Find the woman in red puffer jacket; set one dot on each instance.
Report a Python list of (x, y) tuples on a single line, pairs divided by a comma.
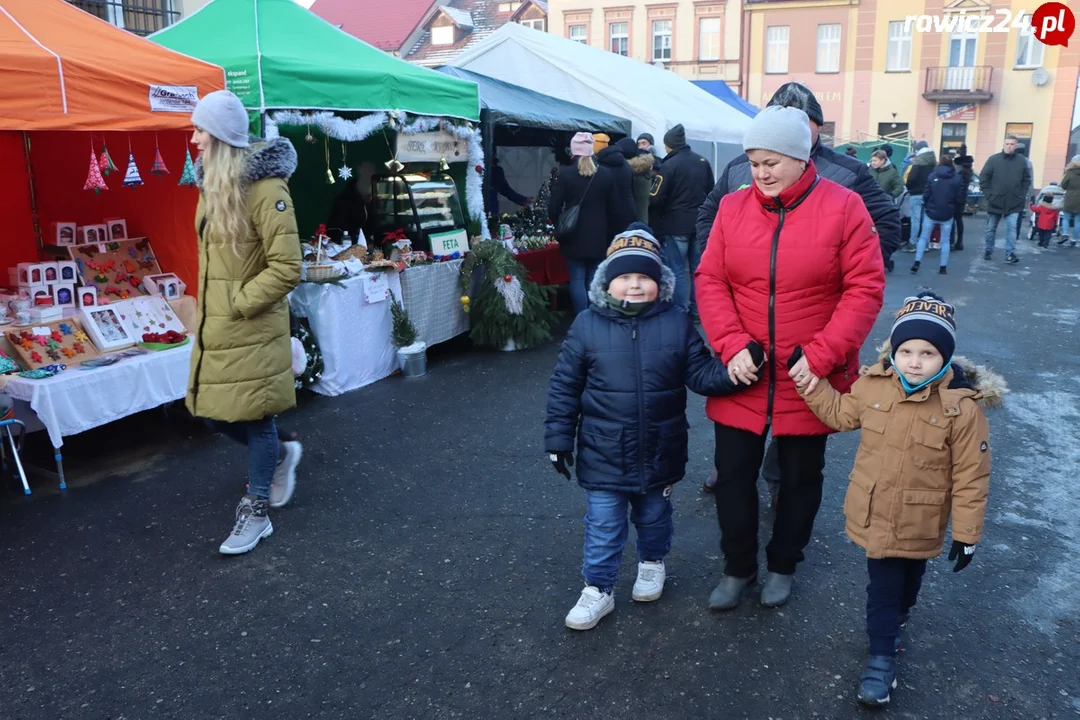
[(794, 263)]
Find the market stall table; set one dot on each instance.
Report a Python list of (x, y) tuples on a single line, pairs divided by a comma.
[(77, 400), (431, 295), (546, 266), (353, 334)]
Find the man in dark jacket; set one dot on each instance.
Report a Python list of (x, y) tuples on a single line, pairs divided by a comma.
[(965, 168), (943, 194), (915, 177), (1005, 180), (641, 169), (841, 169), (678, 190), (624, 212), (499, 185), (847, 171)]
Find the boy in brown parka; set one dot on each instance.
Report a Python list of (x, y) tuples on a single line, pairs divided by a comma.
[(924, 454)]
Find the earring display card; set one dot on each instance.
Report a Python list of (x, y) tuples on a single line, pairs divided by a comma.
[(116, 268), (61, 341), (148, 316)]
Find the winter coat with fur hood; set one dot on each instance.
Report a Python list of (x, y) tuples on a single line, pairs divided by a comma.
[(241, 362), (642, 167), (922, 458), (619, 391)]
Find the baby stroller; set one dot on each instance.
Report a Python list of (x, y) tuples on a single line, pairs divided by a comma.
[(1057, 198)]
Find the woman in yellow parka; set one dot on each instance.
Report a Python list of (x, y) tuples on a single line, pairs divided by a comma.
[(249, 261)]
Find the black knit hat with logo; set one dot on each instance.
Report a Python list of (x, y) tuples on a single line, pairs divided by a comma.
[(926, 317)]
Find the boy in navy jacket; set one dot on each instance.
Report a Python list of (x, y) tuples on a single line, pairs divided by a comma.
[(619, 393)]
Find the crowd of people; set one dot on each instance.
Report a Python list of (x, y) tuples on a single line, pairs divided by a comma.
[(784, 260)]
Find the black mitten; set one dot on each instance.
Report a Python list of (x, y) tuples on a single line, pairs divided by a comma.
[(796, 355), (561, 461), (962, 553), (757, 353)]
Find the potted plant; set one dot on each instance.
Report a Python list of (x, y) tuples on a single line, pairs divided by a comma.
[(412, 353)]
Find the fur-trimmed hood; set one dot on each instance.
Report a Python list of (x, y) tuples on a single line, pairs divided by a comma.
[(642, 164), (598, 287), (990, 387), (267, 159)]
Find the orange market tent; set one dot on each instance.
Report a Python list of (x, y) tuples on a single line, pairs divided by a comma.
[(70, 81)]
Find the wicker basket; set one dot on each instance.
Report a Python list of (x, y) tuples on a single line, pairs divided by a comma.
[(321, 273)]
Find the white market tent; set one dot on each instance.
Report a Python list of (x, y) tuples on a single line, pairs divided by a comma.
[(655, 100)]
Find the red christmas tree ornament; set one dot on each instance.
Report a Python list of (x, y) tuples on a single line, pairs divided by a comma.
[(106, 162), (159, 164), (94, 181), (507, 278)]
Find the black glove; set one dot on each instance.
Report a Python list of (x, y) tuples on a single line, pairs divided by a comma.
[(795, 357), (560, 461), (962, 553), (757, 353)]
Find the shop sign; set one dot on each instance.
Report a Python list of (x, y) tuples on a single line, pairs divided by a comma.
[(956, 112), (173, 98), (448, 243), (431, 147), (244, 83)]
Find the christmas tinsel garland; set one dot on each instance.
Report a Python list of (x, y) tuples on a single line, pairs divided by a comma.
[(314, 369), (492, 322)]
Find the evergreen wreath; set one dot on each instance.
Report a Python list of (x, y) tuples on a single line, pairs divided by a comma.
[(502, 303)]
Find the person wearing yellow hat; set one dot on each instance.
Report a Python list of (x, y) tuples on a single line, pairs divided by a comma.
[(600, 141)]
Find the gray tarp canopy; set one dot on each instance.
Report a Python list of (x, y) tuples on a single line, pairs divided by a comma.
[(504, 104)]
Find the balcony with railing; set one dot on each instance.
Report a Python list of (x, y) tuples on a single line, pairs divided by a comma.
[(141, 17), (959, 84)]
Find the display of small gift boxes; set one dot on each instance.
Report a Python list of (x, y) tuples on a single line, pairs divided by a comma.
[(60, 341), (64, 233), (166, 285), (91, 234)]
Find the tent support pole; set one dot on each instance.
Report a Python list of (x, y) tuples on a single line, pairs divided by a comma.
[(487, 132), (33, 194)]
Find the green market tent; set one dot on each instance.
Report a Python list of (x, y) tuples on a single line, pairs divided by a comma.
[(278, 55)]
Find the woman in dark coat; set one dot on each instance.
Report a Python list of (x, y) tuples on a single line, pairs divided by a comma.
[(602, 214)]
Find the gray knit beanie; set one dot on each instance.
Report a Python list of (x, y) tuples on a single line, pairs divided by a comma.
[(221, 114), (785, 130)]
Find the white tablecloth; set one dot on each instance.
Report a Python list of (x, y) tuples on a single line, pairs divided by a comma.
[(432, 296), (354, 336), (77, 400)]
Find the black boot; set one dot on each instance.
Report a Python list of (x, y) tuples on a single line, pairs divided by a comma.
[(915, 267)]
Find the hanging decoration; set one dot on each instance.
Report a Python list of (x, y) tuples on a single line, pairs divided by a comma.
[(344, 172), (94, 181), (398, 121), (329, 173), (132, 179), (105, 163), (187, 176), (159, 168)]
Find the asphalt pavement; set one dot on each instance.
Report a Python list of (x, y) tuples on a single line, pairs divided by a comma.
[(429, 556)]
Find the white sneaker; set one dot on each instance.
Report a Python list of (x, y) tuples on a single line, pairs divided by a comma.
[(284, 482), (649, 585), (591, 607)]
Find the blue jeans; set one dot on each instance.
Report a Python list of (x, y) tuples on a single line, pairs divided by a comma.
[(924, 239), (892, 592), (917, 215), (679, 251), (581, 275), (261, 438), (606, 529), (1012, 222), (1072, 218)]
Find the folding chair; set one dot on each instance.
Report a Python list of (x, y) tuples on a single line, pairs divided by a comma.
[(7, 420)]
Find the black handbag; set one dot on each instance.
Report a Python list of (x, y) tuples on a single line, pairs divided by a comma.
[(567, 221)]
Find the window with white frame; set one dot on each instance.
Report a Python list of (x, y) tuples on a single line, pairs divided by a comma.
[(577, 34), (1029, 51), (661, 40), (898, 55), (619, 32), (709, 39), (537, 24), (442, 35), (828, 48), (776, 48)]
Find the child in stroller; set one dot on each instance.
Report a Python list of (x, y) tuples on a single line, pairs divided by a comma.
[(1056, 196)]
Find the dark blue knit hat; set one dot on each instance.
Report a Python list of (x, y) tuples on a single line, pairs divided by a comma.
[(634, 251), (926, 317)]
